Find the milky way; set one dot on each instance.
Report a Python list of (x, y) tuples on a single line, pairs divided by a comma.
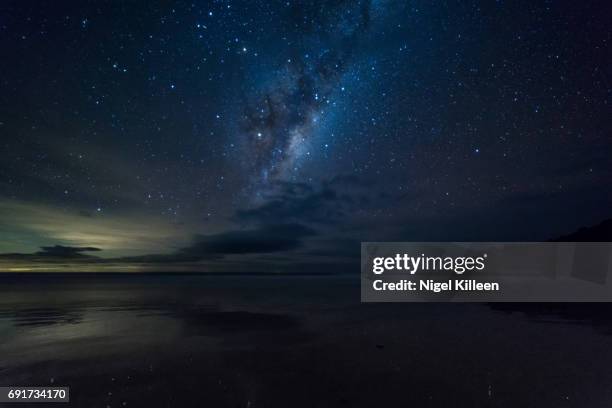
[(281, 119)]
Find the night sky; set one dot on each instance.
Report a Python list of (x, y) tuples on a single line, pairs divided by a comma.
[(275, 136)]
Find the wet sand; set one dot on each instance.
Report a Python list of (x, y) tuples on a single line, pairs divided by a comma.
[(305, 341)]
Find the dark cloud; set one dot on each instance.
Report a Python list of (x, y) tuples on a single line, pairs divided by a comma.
[(326, 204), (341, 247), (55, 253), (291, 203), (261, 240), (270, 238), (66, 251)]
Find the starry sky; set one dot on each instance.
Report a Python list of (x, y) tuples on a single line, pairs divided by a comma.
[(275, 136)]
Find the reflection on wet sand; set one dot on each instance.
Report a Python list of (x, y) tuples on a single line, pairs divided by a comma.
[(179, 341)]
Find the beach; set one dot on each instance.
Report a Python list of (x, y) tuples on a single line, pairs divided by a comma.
[(291, 341)]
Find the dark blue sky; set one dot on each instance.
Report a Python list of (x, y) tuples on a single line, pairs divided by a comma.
[(231, 135)]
